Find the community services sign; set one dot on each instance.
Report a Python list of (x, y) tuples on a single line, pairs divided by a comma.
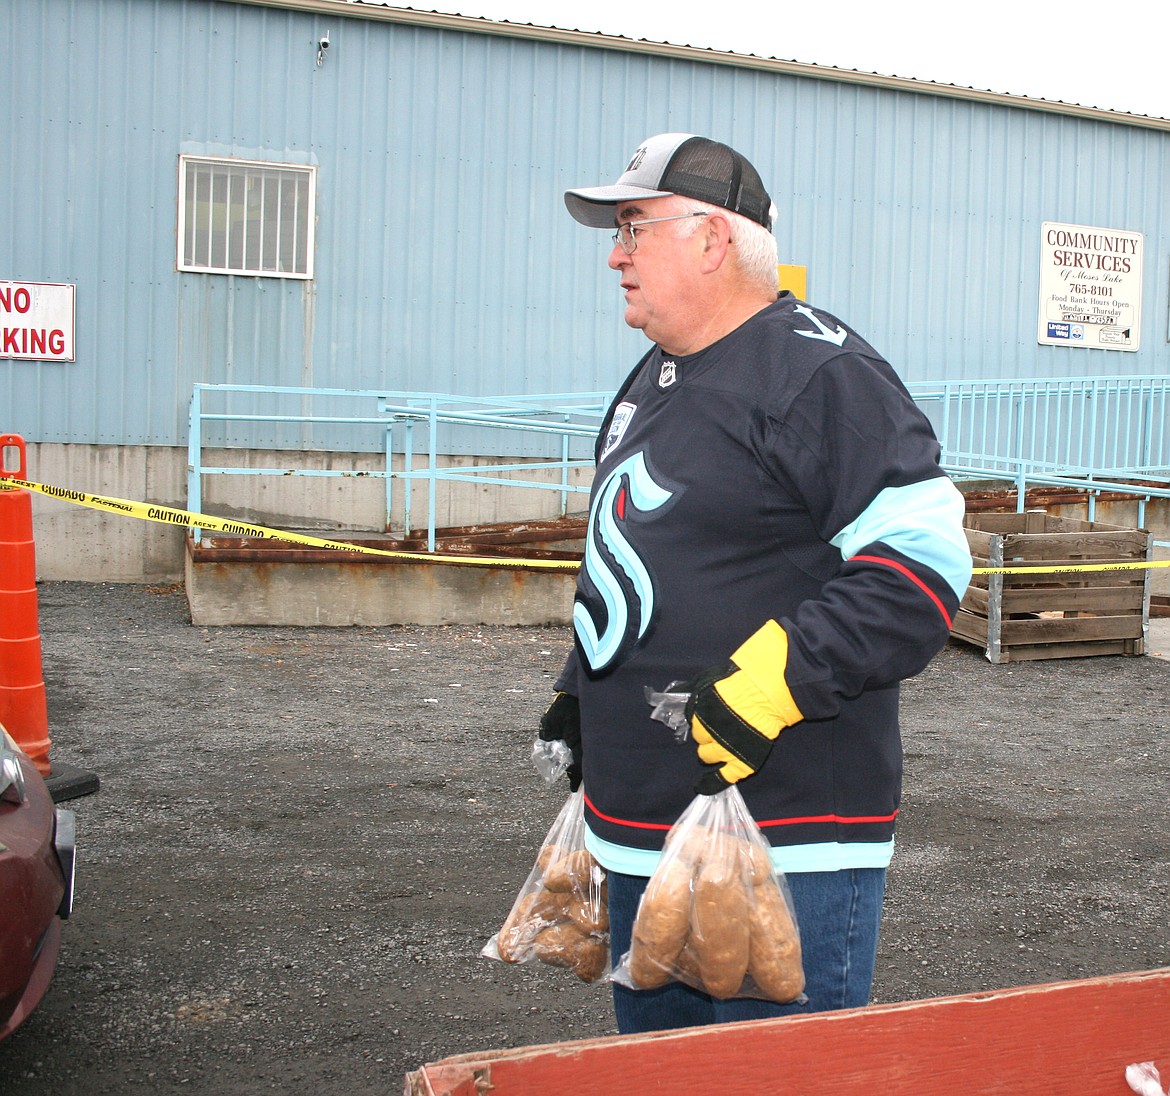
[(1090, 287)]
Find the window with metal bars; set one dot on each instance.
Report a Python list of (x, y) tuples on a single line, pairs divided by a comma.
[(246, 217)]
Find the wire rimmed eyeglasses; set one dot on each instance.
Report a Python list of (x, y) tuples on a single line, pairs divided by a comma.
[(624, 236)]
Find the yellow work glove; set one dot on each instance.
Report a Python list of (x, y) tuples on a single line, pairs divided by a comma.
[(738, 710)]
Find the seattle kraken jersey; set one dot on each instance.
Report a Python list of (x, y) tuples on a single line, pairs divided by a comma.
[(785, 473)]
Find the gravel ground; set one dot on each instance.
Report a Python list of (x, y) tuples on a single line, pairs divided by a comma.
[(304, 836)]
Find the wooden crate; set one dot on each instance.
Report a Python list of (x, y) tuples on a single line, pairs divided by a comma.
[(1071, 614)]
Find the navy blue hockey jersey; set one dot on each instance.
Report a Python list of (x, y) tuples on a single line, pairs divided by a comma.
[(782, 473)]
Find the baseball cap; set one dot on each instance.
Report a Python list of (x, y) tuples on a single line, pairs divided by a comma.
[(683, 164)]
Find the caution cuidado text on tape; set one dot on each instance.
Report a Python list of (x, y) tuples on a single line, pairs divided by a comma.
[(169, 515)]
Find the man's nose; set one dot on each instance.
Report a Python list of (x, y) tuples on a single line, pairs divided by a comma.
[(618, 257)]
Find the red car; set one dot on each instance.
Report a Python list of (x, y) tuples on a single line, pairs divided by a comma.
[(36, 884)]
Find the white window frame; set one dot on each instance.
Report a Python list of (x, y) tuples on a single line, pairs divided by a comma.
[(216, 242)]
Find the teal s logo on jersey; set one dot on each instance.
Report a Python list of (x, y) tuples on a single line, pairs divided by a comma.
[(615, 603)]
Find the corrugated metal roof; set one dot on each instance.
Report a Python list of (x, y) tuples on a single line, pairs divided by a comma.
[(478, 24)]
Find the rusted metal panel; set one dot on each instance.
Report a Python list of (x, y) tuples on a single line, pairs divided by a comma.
[(242, 580), (511, 543)]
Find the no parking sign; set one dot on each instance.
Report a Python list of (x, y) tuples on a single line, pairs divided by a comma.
[(36, 321)]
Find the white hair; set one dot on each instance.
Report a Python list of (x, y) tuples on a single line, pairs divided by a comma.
[(755, 246)]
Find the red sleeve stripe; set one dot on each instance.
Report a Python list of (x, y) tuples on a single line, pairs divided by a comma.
[(913, 578), (837, 818), (842, 819), (624, 821)]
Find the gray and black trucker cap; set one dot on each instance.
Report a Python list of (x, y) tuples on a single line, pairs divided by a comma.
[(678, 163)]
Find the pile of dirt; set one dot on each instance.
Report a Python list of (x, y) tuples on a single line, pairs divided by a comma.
[(304, 836)]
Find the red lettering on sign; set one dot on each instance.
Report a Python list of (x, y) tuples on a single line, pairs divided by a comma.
[(32, 341), (19, 299)]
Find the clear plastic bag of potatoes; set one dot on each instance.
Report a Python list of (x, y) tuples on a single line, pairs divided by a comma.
[(560, 916), (715, 914)]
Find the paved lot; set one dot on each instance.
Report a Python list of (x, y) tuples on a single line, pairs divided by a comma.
[(304, 836), (1160, 638)]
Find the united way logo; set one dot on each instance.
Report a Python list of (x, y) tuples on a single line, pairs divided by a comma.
[(615, 599)]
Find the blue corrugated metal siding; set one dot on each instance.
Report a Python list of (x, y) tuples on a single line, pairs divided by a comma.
[(445, 259)]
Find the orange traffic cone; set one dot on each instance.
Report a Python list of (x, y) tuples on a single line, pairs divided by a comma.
[(23, 708)]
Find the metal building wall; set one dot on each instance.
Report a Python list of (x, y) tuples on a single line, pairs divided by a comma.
[(445, 258)]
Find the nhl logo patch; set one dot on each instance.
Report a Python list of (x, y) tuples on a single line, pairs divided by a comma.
[(667, 375)]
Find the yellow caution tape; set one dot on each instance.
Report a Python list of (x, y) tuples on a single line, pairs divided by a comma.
[(1068, 568), (169, 515)]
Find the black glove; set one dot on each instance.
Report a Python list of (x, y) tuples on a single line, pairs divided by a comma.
[(562, 720)]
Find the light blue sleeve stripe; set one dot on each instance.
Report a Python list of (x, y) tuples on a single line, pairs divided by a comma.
[(619, 858), (832, 856), (824, 856), (921, 520)]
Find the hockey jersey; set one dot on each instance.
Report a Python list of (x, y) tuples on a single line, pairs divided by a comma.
[(782, 473)]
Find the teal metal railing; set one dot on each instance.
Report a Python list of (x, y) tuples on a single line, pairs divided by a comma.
[(547, 434), (1096, 434), (1119, 425)]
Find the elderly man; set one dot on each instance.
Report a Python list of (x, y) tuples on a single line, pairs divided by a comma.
[(769, 522)]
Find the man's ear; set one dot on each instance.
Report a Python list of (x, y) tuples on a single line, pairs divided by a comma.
[(716, 242)]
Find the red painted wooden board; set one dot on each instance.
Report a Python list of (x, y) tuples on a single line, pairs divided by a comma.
[(1066, 1038)]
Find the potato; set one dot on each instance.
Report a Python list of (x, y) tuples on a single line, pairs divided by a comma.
[(774, 961), (565, 945), (645, 971), (592, 958), (758, 862), (720, 926), (547, 855), (660, 929), (518, 930), (571, 871), (590, 914), (557, 944), (549, 907), (531, 914), (687, 964), (690, 842)]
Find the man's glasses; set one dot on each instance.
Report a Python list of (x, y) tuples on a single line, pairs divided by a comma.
[(625, 237)]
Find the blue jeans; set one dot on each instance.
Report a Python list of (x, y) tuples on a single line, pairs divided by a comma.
[(838, 914)]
